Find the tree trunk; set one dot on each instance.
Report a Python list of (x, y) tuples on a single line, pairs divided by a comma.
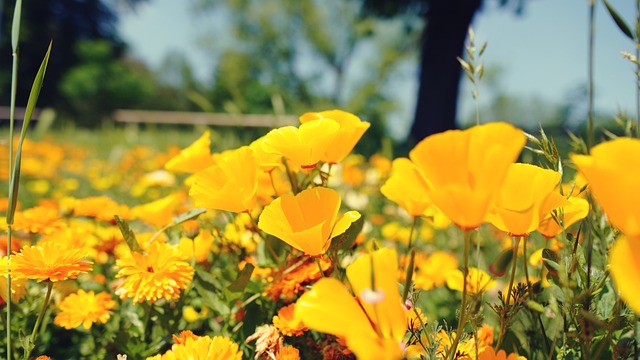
[(447, 24)]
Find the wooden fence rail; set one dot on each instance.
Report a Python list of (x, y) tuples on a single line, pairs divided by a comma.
[(201, 118)]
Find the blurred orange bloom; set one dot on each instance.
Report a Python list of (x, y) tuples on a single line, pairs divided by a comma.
[(477, 280), (612, 171), (305, 145), (287, 323), (465, 168), (373, 323), (525, 198), (624, 263), (84, 308), (307, 221), (231, 184), (407, 187), (350, 132)]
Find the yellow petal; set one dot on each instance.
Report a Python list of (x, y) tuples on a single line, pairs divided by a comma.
[(407, 187), (194, 158), (624, 262)]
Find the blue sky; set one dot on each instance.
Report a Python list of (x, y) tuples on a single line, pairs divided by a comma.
[(542, 53)]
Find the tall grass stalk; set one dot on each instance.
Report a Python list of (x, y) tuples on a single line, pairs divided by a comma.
[(15, 36)]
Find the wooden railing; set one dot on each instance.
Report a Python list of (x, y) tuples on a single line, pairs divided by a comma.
[(201, 118)]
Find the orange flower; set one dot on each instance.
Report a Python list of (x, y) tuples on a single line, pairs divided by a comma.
[(37, 220), (374, 323), (99, 207), (307, 221), (49, 261), (84, 308), (432, 271), (229, 185), (160, 273), (288, 353), (612, 171), (287, 323), (159, 212), (407, 187), (268, 161), (526, 197), (305, 145), (466, 168), (490, 354), (194, 158), (291, 281), (350, 131)]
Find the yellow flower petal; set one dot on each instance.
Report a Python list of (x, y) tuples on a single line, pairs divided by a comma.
[(194, 158), (624, 262), (407, 187)]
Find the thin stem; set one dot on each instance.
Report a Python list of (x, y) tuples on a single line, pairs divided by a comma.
[(292, 177), (414, 224), (273, 184), (516, 244), (8, 297), (36, 327), (320, 267), (147, 317), (529, 288), (592, 13), (254, 224), (463, 304)]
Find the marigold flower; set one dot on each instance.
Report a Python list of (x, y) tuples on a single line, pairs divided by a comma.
[(43, 357), (160, 273), (612, 171), (194, 158), (231, 184), (407, 187), (350, 131), (49, 261), (37, 220), (202, 348), (477, 280), (287, 284), (465, 168), (372, 326), (287, 323), (307, 221), (99, 207), (305, 145), (624, 263), (288, 353), (84, 308), (526, 196)]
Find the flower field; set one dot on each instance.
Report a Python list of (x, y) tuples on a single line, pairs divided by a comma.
[(292, 246)]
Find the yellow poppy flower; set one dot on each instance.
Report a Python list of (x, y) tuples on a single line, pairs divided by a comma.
[(477, 280), (350, 132), (612, 171), (305, 145), (194, 158), (159, 212), (231, 184), (307, 221), (465, 168), (624, 263), (407, 187), (373, 323), (268, 161), (576, 210), (526, 196)]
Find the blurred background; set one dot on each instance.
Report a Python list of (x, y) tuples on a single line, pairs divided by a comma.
[(393, 63)]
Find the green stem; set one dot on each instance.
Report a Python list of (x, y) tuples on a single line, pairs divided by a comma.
[(592, 13), (463, 304), (292, 178), (320, 266), (147, 318), (414, 224), (516, 244), (8, 297), (273, 184), (36, 327), (529, 289)]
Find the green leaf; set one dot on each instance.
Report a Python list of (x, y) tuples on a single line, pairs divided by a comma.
[(243, 279), (622, 25), (127, 233), (31, 104), (191, 214), (346, 240)]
